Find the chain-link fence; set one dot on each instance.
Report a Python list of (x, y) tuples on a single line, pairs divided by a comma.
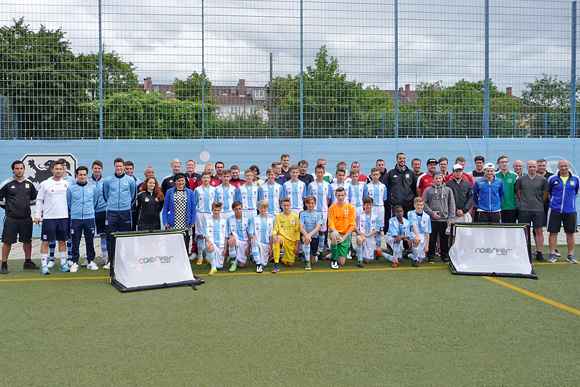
[(287, 69)]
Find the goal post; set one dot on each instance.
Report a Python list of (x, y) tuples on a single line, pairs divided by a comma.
[(502, 250)]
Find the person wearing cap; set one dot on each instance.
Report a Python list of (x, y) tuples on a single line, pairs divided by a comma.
[(179, 207), (440, 206), (465, 176), (509, 203), (462, 193), (487, 195), (427, 178)]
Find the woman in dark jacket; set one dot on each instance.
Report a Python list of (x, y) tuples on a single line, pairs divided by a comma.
[(149, 205)]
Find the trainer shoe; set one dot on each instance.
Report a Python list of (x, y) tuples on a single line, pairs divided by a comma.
[(308, 267), (70, 262), (192, 256), (445, 259), (74, 268), (45, 270), (64, 267), (199, 261), (50, 264), (259, 269), (213, 271), (334, 265), (4, 270), (360, 263), (92, 266), (28, 264), (571, 259), (540, 257), (301, 257), (378, 254), (395, 263), (552, 258), (85, 263), (557, 253), (416, 263), (432, 261), (233, 268), (107, 266), (276, 268)]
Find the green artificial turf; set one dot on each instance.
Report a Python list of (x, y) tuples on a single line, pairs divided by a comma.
[(403, 326)]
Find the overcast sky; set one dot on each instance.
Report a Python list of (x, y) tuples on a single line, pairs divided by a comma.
[(438, 39)]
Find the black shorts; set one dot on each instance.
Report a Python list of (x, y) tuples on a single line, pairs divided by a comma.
[(489, 217), (555, 219), (100, 218), (536, 218), (313, 244), (55, 229), (17, 227)]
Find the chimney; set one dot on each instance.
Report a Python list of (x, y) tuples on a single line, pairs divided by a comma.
[(242, 87), (147, 84), (508, 91), (407, 90)]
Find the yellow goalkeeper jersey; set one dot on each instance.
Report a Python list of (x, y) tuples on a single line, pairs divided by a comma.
[(287, 227)]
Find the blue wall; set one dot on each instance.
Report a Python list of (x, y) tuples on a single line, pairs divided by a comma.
[(245, 152)]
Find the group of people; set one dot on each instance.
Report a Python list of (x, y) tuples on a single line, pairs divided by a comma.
[(289, 212)]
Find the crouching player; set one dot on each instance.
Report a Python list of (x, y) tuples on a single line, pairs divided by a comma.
[(238, 238), (286, 235), (310, 223), (216, 238), (367, 227), (421, 227), (260, 231), (399, 230), (341, 223)]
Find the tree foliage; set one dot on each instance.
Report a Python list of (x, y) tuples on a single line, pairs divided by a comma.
[(549, 94), (191, 88)]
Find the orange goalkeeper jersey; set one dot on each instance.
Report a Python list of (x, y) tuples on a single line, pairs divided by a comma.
[(341, 218)]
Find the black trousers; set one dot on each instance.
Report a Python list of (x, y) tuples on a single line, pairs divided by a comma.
[(438, 230)]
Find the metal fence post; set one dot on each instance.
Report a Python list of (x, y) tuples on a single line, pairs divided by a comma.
[(396, 69), (486, 108), (101, 128), (573, 122)]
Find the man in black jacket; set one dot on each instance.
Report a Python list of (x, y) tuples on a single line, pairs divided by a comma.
[(401, 183), (16, 196)]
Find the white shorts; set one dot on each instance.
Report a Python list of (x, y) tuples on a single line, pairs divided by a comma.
[(264, 251), (380, 211), (219, 256), (250, 213), (241, 247), (422, 245), (226, 215), (200, 219), (324, 225), (368, 248)]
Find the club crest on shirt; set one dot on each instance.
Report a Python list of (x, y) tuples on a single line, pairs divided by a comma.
[(292, 221), (126, 182), (346, 212)]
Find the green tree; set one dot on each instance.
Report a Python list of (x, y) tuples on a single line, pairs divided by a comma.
[(136, 114), (42, 77), (118, 76), (191, 88), (461, 106)]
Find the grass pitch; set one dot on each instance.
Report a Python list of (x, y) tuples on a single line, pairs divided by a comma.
[(372, 326)]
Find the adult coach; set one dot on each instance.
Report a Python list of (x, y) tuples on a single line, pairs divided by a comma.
[(119, 191), (487, 195), (54, 218), (16, 196), (401, 185), (563, 189), (532, 190)]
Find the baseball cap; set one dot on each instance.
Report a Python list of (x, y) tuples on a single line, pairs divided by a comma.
[(489, 165), (431, 161), (457, 166)]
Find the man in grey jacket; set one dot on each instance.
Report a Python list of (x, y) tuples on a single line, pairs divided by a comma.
[(440, 206)]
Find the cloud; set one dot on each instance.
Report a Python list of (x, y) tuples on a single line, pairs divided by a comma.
[(443, 40)]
